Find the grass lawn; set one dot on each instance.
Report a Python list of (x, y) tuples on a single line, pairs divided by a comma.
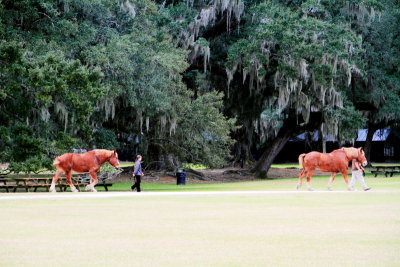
[(288, 184), (296, 165), (267, 229)]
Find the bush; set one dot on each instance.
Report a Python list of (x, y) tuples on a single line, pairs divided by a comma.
[(105, 139)]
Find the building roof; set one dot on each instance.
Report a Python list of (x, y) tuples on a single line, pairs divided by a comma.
[(315, 137), (379, 135)]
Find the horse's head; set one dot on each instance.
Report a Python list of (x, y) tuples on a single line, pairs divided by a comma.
[(361, 157), (356, 153), (113, 160)]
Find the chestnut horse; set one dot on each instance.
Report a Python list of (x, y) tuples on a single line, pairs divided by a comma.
[(334, 162), (86, 162)]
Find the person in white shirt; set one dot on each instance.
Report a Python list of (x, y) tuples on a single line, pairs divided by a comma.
[(357, 175)]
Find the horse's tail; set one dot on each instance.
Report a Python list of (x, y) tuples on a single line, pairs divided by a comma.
[(301, 160)]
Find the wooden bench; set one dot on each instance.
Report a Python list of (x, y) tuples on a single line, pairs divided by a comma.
[(13, 184), (377, 172), (63, 187), (391, 173), (7, 187), (105, 185), (85, 178), (12, 187), (387, 170)]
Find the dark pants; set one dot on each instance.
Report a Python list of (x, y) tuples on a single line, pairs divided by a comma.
[(138, 180)]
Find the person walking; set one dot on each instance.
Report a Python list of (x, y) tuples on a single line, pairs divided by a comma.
[(137, 173), (357, 174)]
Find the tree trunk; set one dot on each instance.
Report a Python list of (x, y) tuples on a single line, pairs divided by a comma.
[(323, 135), (264, 163), (368, 141)]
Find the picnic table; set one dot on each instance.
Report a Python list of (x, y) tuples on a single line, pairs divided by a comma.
[(387, 170), (13, 183)]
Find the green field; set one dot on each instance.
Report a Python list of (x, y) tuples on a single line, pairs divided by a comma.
[(287, 184), (274, 228)]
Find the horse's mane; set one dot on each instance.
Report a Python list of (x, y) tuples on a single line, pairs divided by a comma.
[(103, 152), (351, 152)]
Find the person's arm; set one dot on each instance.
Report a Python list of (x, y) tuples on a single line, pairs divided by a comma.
[(141, 172), (358, 166), (136, 168)]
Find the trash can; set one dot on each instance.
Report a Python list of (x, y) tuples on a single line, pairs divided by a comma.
[(180, 177)]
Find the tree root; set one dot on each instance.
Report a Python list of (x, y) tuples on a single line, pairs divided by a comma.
[(240, 172)]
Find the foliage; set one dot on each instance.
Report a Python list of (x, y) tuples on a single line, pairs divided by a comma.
[(349, 120), (308, 60), (383, 72), (203, 133), (195, 166), (64, 143), (105, 139), (25, 152), (107, 167), (208, 142), (79, 73), (301, 63)]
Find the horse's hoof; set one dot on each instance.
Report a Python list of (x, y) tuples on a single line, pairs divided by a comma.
[(330, 189), (88, 188), (93, 190), (310, 189), (298, 187), (52, 190), (74, 190)]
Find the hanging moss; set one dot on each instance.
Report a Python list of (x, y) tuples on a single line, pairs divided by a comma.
[(62, 112), (163, 123), (205, 18), (44, 114), (128, 6), (173, 125), (201, 48), (308, 57), (108, 105)]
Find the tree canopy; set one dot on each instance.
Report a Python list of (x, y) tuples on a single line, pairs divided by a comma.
[(200, 81)]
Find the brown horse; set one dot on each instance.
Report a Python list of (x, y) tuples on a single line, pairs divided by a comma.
[(334, 162), (86, 162)]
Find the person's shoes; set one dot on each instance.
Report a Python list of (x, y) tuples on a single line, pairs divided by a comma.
[(368, 188)]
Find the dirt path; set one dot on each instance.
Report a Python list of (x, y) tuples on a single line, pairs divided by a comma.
[(219, 176), (69, 195)]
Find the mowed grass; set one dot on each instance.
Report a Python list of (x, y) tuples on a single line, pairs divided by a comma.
[(287, 184), (281, 228)]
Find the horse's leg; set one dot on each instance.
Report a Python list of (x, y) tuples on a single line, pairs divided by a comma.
[(69, 182), (93, 182), (346, 179), (331, 180), (302, 173), (309, 174), (352, 181), (55, 179)]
